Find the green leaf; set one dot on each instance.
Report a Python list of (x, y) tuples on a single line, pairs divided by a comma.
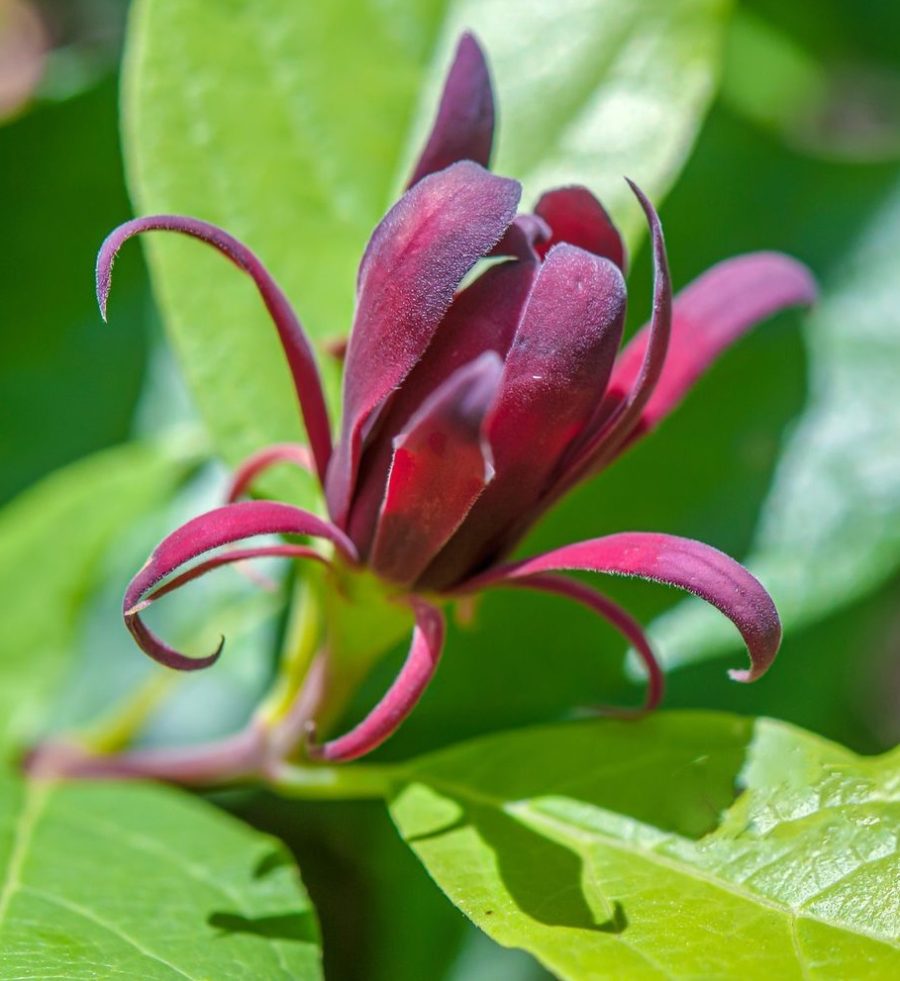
[(52, 541), (294, 124), (131, 881), (622, 849), (830, 528)]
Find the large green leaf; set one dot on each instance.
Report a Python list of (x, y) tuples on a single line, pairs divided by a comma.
[(684, 845), (130, 881), (292, 124), (830, 528), (52, 541)]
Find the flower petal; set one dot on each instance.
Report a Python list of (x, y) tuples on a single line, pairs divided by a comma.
[(441, 464), (697, 568), (623, 621), (577, 217), (222, 526), (262, 460), (401, 698), (708, 316), (297, 349), (556, 368), (415, 260), (464, 126), (613, 423), (483, 317)]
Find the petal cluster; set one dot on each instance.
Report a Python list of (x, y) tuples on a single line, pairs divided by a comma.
[(484, 377)]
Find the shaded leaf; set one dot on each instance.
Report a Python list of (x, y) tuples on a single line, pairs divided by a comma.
[(250, 116), (684, 845), (126, 880), (52, 541)]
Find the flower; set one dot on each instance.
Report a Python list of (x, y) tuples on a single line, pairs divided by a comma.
[(469, 410)]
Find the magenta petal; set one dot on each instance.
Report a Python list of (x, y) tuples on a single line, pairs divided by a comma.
[(708, 316), (415, 260), (575, 216), (222, 526), (556, 369), (464, 126), (296, 346), (441, 465), (262, 460), (697, 568), (602, 605), (403, 695)]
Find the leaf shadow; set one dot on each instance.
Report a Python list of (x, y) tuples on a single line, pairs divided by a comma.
[(298, 926), (549, 887)]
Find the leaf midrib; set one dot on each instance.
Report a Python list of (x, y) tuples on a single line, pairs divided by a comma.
[(577, 837)]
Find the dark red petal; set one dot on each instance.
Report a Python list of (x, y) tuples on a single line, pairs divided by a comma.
[(697, 568), (484, 317), (524, 239), (222, 526), (262, 460), (403, 695), (610, 429), (415, 260), (623, 621), (577, 217), (708, 316), (464, 126), (441, 464), (296, 346), (556, 369)]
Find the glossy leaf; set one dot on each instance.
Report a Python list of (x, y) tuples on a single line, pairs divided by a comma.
[(250, 116), (116, 880), (683, 845), (830, 528), (52, 542)]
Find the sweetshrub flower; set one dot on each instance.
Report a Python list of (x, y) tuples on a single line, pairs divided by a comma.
[(469, 410)]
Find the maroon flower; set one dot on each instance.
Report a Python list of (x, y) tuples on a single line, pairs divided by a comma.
[(468, 411)]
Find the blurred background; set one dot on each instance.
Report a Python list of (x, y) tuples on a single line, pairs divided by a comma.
[(800, 152)]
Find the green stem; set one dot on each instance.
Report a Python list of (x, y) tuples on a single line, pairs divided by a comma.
[(346, 782)]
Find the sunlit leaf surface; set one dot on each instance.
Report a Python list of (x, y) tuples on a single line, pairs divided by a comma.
[(112, 880), (686, 845)]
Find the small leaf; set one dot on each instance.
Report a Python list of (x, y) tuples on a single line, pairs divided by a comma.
[(294, 125), (683, 845), (134, 881), (52, 541), (830, 529)]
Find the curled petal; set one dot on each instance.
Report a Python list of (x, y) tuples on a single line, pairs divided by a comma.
[(697, 568), (401, 698), (575, 216), (222, 526), (556, 368), (414, 262), (441, 464), (464, 126), (229, 558), (262, 460), (708, 316), (623, 621), (296, 346)]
